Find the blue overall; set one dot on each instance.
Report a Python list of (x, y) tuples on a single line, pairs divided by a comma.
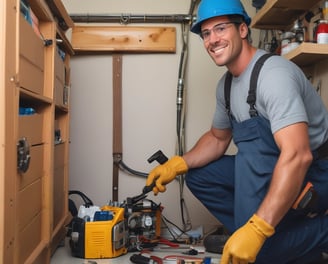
[(233, 187)]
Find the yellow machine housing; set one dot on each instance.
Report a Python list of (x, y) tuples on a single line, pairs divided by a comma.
[(100, 239), (106, 239)]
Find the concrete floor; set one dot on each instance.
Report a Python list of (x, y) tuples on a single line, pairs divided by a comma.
[(63, 256)]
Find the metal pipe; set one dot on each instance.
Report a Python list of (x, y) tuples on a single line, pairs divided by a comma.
[(128, 18)]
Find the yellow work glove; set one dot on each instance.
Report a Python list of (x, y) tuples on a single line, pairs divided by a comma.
[(165, 173), (244, 245)]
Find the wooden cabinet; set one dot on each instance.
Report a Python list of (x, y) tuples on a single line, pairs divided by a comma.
[(34, 134), (280, 15)]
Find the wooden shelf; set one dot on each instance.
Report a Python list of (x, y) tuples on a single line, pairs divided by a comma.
[(308, 53), (66, 44), (61, 108), (280, 14), (28, 95)]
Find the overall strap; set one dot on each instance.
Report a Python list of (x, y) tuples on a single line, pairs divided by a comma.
[(227, 91), (251, 98)]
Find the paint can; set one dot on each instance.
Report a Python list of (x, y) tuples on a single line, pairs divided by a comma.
[(322, 32)]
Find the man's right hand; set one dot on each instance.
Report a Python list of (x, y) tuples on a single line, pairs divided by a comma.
[(165, 173)]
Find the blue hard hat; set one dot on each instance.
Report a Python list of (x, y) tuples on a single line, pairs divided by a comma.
[(213, 8)]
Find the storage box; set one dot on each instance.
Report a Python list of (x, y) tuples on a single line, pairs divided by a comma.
[(60, 156), (31, 127), (59, 68), (59, 184), (31, 59), (59, 195), (28, 240), (59, 93), (29, 225), (29, 203)]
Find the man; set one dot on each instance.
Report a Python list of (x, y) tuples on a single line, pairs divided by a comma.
[(280, 135)]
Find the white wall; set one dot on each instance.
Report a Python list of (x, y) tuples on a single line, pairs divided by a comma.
[(149, 110)]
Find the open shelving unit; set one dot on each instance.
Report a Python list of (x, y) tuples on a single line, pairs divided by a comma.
[(280, 15), (34, 90)]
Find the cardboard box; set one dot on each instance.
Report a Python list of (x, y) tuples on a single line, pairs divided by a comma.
[(59, 184), (30, 77), (31, 127), (59, 197), (31, 59), (59, 92), (28, 239), (59, 68), (29, 203), (60, 156)]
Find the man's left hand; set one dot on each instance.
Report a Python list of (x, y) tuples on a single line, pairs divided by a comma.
[(244, 245)]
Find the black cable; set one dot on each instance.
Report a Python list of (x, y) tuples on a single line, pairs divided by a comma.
[(123, 166), (168, 228), (182, 232)]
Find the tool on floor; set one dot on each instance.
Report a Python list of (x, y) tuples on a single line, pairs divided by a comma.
[(174, 259)]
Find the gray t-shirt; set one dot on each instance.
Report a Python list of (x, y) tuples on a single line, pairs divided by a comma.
[(284, 97)]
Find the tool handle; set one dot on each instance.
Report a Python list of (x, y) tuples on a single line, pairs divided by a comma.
[(139, 259), (159, 157), (148, 188)]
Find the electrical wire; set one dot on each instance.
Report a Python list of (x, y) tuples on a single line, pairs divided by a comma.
[(125, 167), (180, 127), (180, 123), (176, 237)]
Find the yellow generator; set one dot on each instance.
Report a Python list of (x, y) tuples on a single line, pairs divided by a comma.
[(104, 237)]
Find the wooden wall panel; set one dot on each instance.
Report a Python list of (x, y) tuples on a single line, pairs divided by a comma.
[(123, 39)]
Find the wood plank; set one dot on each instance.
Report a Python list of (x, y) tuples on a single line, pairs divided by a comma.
[(123, 38)]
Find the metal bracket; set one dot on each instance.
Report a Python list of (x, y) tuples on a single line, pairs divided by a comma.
[(23, 155)]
